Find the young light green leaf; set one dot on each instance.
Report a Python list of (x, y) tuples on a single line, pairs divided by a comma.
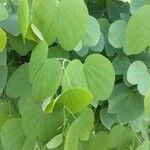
[(23, 16), (48, 105), (3, 39), (53, 26), (55, 142), (3, 12), (75, 99), (116, 35), (138, 25)]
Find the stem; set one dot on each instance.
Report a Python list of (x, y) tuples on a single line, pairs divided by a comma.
[(71, 113)]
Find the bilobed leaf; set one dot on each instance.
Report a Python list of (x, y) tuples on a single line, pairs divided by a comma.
[(138, 30), (45, 74), (61, 20), (75, 99), (116, 35), (23, 16), (18, 82), (96, 69), (3, 12), (12, 128), (123, 101), (3, 39)]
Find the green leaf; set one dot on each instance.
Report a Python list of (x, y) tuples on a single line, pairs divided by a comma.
[(75, 99), (92, 34), (99, 70), (120, 136), (17, 44), (18, 82), (96, 69), (71, 142), (37, 124), (116, 35), (3, 39), (3, 77), (107, 119), (137, 32), (11, 24), (99, 141), (55, 142), (136, 72), (45, 74), (12, 135), (3, 12), (85, 124), (51, 18), (147, 103), (123, 101), (121, 64), (23, 16)]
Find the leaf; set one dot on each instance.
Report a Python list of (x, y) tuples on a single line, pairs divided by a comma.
[(85, 124), (23, 16), (12, 135), (99, 141), (136, 72), (17, 44), (75, 99), (137, 32), (11, 24), (147, 103), (55, 142), (48, 105), (116, 35), (18, 82), (92, 33), (3, 77), (107, 119), (123, 101), (3, 12), (37, 124), (78, 130), (3, 39), (121, 64), (71, 142), (126, 134), (48, 71), (99, 70), (51, 18), (96, 69)]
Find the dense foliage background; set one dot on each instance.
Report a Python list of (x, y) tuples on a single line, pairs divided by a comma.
[(74, 74)]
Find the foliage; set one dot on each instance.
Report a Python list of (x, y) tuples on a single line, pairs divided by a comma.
[(74, 74)]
